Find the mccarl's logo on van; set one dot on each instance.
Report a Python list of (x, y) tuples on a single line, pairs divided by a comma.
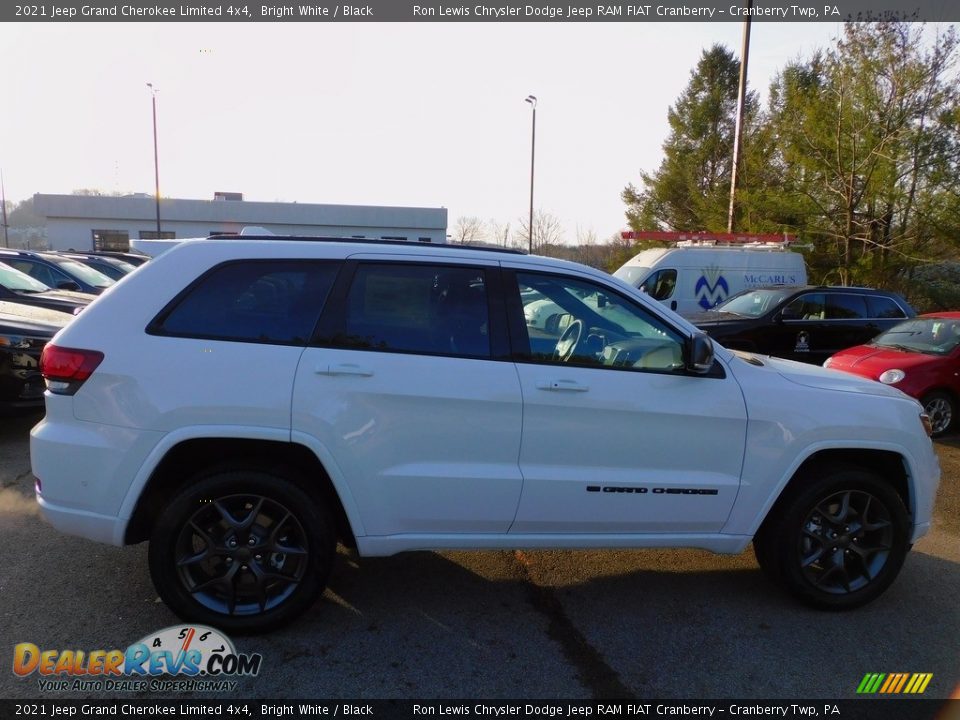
[(205, 656), (712, 288)]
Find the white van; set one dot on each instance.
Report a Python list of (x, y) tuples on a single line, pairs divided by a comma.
[(691, 277)]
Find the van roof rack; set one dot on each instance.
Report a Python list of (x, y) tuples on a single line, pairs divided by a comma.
[(751, 241), (365, 241)]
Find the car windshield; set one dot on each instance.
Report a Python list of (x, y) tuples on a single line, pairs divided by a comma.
[(632, 274), (13, 279), (85, 273), (937, 336), (754, 303), (123, 265)]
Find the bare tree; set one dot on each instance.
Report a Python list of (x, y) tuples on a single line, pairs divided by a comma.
[(468, 230), (547, 231), (498, 232)]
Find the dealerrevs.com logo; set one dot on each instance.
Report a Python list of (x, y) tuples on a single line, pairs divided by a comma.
[(176, 659)]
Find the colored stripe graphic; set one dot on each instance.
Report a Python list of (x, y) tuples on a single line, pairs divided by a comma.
[(894, 683), (903, 680), (870, 683)]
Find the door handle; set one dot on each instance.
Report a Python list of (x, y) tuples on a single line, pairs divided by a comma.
[(343, 369), (562, 386)]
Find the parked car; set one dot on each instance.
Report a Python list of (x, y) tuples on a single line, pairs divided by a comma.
[(133, 258), (808, 324), (390, 395), (114, 268), (921, 357), (56, 271), (24, 331), (16, 286)]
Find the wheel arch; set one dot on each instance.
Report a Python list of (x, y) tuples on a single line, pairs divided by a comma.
[(888, 464), (188, 457)]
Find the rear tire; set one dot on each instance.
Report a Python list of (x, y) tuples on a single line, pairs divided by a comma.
[(243, 551), (837, 540)]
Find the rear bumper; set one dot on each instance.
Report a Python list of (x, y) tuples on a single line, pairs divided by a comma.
[(101, 528), (85, 471)]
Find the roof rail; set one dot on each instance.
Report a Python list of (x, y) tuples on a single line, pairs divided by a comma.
[(364, 241)]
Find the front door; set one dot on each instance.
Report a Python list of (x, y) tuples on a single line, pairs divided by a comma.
[(617, 436)]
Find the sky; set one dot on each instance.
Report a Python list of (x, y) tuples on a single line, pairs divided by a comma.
[(398, 114)]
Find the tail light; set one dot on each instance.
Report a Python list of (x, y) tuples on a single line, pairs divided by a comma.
[(66, 369)]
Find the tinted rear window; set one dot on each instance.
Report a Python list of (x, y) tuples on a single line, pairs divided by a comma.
[(884, 307), (276, 301), (433, 310), (846, 307)]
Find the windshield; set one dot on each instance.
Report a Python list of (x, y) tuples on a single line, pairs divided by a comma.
[(632, 274), (754, 303), (937, 336), (125, 266), (85, 273), (13, 279)]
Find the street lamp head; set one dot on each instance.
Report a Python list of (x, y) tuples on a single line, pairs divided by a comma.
[(532, 99)]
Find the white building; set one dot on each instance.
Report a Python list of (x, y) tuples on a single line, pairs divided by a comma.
[(84, 222)]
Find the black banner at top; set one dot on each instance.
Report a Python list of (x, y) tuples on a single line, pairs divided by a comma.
[(482, 11)]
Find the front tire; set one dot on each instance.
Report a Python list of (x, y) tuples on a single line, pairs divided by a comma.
[(942, 409), (243, 551), (837, 540)]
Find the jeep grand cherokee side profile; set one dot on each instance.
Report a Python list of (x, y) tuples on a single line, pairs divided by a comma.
[(244, 404)]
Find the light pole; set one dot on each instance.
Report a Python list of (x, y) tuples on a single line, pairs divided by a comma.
[(532, 99), (156, 161), (3, 204), (741, 109)]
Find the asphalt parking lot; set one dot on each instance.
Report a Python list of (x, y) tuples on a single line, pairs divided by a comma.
[(493, 625)]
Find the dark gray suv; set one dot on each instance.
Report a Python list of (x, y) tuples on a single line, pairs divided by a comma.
[(807, 323)]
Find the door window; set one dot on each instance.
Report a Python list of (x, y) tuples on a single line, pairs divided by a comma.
[(846, 307), (573, 321), (806, 307), (660, 285), (426, 309), (44, 273)]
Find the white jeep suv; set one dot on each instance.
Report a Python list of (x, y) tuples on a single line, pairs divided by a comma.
[(243, 404)]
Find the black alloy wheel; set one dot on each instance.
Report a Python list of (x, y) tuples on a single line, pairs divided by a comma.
[(836, 539), (241, 550)]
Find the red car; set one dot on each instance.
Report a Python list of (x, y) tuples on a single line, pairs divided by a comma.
[(920, 356)]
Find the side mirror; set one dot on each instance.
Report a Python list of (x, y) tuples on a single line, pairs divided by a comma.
[(700, 354), (68, 285)]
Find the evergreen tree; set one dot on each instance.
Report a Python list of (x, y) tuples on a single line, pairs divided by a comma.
[(691, 188)]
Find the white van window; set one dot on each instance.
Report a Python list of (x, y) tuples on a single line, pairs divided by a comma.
[(631, 274), (661, 284)]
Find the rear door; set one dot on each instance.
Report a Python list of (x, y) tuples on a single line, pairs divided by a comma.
[(409, 386), (848, 322)]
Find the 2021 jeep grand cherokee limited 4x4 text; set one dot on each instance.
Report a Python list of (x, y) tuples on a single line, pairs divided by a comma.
[(243, 404)]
